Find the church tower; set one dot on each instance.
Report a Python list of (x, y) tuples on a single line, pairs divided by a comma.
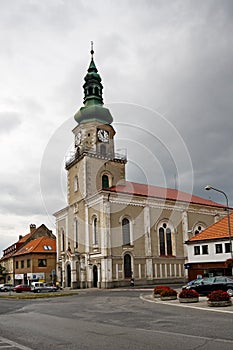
[(94, 164)]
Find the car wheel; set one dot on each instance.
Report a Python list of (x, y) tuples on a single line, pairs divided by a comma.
[(230, 291), (38, 290)]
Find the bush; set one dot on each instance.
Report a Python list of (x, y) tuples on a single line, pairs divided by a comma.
[(168, 292), (160, 289), (188, 293), (218, 295)]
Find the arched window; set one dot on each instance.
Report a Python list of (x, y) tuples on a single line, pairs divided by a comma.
[(105, 181), (95, 231), (90, 90), (165, 240), (127, 266), (126, 231), (76, 233), (62, 240)]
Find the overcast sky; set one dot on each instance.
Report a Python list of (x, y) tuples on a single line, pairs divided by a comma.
[(167, 71)]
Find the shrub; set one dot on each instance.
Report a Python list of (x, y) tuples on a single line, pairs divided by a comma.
[(188, 293), (168, 292), (160, 289), (218, 295)]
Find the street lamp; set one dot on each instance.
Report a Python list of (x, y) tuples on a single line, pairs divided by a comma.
[(208, 188)]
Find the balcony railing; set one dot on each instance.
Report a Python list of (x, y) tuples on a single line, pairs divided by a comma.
[(73, 156)]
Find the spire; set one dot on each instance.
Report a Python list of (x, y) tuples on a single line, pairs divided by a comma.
[(93, 101), (92, 87)]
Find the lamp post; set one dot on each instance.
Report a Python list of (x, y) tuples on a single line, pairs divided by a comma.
[(208, 188)]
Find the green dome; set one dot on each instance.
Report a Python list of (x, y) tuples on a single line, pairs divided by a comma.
[(93, 113)]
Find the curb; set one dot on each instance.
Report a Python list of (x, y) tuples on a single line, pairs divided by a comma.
[(201, 305)]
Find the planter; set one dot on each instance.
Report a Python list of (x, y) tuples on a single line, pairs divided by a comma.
[(170, 297), (220, 303), (156, 295), (189, 300)]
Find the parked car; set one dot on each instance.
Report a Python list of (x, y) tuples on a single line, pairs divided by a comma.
[(6, 287), (207, 285), (38, 287), (22, 288)]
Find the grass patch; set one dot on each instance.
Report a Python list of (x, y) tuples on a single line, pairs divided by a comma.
[(36, 295)]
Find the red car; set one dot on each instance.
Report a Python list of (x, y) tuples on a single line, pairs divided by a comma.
[(22, 288)]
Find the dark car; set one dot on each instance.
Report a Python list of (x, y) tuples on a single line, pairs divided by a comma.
[(207, 285), (6, 287), (22, 288)]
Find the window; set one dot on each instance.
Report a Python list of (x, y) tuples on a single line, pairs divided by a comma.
[(105, 182), (227, 248), (62, 240), (102, 150), (16, 264), (95, 232), (126, 231), (198, 228), (22, 264), (218, 248), (76, 233), (205, 249), (42, 262), (28, 263), (75, 183), (197, 250), (165, 240), (127, 266)]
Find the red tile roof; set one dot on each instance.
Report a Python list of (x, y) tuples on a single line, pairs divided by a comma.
[(218, 230), (134, 188), (38, 245)]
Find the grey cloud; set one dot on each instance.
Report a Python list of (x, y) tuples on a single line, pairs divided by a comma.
[(9, 121)]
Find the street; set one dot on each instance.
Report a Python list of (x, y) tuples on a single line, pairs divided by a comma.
[(116, 319)]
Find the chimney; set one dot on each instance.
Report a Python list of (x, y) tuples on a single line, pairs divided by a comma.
[(32, 228), (20, 237)]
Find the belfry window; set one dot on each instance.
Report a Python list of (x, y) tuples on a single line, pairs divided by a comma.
[(126, 231), (165, 240), (105, 181)]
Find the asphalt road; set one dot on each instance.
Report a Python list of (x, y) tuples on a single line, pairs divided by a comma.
[(111, 319)]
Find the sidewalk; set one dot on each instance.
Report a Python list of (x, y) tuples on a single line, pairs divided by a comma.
[(201, 305)]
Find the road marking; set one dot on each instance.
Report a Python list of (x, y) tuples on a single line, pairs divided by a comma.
[(7, 344)]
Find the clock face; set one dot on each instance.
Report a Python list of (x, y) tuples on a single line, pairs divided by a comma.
[(78, 138), (103, 135)]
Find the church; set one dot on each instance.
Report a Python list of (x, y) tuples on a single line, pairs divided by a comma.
[(113, 230)]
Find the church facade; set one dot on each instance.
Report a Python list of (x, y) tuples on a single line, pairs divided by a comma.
[(113, 230)]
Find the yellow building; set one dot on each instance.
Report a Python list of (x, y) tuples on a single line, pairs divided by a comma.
[(113, 230)]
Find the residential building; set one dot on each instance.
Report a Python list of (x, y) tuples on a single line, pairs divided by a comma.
[(36, 261), (8, 258), (209, 252), (113, 230)]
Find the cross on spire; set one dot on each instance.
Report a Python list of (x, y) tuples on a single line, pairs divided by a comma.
[(92, 50)]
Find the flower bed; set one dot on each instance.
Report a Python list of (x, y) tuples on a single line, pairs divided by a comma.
[(168, 294), (219, 298), (188, 296), (158, 290)]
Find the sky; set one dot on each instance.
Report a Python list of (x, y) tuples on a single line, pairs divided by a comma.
[(167, 71)]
